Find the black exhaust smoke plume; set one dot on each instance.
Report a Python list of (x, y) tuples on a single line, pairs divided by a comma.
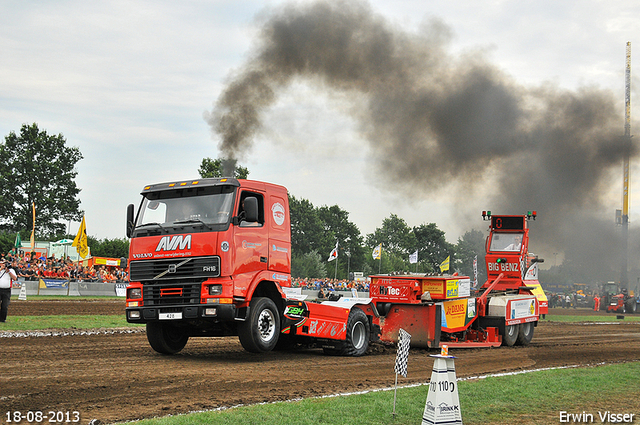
[(438, 123)]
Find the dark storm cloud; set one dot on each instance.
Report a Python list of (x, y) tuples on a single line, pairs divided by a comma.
[(432, 119)]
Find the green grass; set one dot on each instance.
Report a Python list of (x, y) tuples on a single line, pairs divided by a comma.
[(31, 323), (532, 398)]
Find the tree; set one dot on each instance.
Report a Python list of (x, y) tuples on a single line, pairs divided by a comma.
[(309, 265), (38, 168), (216, 168), (470, 245), (112, 248), (336, 223), (432, 246), (7, 241), (307, 229), (316, 230), (397, 240), (395, 235)]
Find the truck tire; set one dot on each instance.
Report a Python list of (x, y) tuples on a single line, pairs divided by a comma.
[(510, 335), (357, 339), (525, 334), (259, 333), (165, 338)]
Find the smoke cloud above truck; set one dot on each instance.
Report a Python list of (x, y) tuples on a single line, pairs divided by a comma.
[(443, 124)]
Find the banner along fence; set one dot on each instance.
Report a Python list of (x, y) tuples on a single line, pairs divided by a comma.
[(70, 288)]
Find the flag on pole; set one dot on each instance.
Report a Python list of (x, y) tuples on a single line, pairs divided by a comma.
[(334, 253), (404, 341), (80, 242), (18, 243), (377, 252), (33, 229), (444, 266), (413, 258)]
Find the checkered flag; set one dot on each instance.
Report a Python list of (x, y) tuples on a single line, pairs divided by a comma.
[(404, 341)]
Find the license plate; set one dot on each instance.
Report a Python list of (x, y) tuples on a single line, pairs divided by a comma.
[(170, 316)]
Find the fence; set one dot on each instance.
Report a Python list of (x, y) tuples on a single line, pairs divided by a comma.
[(74, 289)]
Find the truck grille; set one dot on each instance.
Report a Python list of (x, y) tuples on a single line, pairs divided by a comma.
[(175, 269), (171, 293)]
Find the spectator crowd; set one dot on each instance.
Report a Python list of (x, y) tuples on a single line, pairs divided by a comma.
[(330, 284), (28, 268)]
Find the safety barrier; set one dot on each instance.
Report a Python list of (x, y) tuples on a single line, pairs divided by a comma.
[(74, 289)]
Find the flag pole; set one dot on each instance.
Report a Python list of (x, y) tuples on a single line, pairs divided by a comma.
[(395, 392), (335, 273)]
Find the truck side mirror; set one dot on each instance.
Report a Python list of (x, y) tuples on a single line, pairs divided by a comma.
[(251, 209), (130, 224)]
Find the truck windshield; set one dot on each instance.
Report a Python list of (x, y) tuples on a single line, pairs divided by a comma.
[(204, 205), (506, 242)]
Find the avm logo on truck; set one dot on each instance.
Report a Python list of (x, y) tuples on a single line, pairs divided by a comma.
[(171, 243)]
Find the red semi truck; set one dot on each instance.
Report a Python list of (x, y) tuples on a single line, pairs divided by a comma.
[(212, 257)]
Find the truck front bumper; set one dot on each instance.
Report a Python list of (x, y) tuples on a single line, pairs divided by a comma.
[(216, 313)]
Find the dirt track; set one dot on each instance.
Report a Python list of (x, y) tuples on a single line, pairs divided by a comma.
[(117, 377)]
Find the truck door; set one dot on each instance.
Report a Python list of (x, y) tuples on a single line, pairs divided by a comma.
[(279, 236), (250, 245)]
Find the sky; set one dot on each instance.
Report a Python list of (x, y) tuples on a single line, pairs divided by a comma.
[(133, 84)]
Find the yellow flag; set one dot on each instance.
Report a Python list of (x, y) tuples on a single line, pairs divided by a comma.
[(444, 266), (80, 242)]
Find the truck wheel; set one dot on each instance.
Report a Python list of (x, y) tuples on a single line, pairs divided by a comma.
[(510, 335), (259, 333), (357, 340), (166, 338), (525, 334)]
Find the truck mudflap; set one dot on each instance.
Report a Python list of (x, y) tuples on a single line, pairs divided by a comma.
[(326, 320)]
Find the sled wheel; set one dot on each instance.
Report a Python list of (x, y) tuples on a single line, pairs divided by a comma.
[(357, 341), (259, 333), (165, 338), (525, 334), (631, 305), (510, 335)]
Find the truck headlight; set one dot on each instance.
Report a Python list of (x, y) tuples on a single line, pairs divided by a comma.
[(215, 289), (134, 293)]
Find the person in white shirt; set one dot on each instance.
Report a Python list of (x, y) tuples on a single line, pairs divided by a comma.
[(7, 275), (517, 243)]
